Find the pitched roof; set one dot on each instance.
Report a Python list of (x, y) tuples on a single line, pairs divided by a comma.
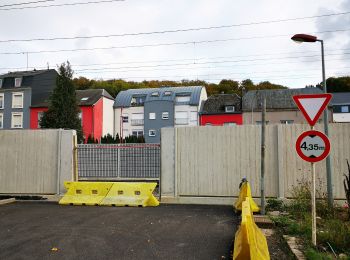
[(123, 99), (18, 74), (89, 97), (275, 98), (340, 98), (216, 104)]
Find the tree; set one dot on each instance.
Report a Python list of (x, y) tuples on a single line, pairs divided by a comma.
[(63, 111), (341, 84)]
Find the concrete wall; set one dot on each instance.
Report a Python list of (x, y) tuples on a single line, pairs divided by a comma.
[(211, 161), (35, 161)]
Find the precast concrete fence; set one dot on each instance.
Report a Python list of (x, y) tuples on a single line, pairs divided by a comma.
[(206, 164), (35, 161)]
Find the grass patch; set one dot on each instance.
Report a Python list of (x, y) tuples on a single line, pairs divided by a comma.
[(333, 230)]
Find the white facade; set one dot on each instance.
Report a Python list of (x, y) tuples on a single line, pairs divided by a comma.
[(128, 120), (107, 126)]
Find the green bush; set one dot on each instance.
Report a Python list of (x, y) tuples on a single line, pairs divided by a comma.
[(274, 204), (312, 254), (336, 233)]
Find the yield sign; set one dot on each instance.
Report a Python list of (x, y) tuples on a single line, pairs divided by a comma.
[(312, 105)]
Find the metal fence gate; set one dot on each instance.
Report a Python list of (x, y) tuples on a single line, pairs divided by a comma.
[(118, 161)]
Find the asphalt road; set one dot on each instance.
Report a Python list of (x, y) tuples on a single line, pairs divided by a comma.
[(30, 230)]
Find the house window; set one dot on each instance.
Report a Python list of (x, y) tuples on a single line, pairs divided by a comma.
[(1, 121), (230, 124), (287, 122), (18, 82), (165, 115), (17, 100), (17, 120), (182, 98), (137, 133), (125, 119), (1, 101), (167, 93), (344, 109), (152, 116), (40, 117), (155, 94), (181, 118), (229, 109), (0, 83), (152, 132)]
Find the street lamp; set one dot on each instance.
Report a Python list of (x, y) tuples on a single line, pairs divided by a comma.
[(310, 38)]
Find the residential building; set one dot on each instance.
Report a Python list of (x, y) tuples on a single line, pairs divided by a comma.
[(222, 110), (21, 90), (280, 106), (145, 111), (96, 115), (341, 107)]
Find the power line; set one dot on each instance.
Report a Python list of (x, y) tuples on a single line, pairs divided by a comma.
[(211, 62), (169, 31), (162, 44), (27, 3), (59, 5)]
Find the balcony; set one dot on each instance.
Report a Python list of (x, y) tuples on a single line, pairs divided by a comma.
[(181, 121), (135, 122)]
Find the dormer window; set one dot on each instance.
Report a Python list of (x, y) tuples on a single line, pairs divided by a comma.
[(18, 82), (84, 98), (229, 109), (155, 94), (167, 93), (137, 101)]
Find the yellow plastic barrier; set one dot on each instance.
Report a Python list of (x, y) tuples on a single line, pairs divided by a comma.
[(131, 194), (85, 193), (250, 242), (245, 192)]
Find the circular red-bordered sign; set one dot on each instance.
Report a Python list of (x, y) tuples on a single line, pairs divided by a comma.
[(313, 146)]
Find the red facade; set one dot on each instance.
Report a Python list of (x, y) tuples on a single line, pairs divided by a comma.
[(91, 117), (221, 119)]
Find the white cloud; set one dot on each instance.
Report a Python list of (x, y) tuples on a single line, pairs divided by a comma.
[(153, 15)]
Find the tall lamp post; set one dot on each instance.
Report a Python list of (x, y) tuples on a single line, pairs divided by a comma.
[(310, 38)]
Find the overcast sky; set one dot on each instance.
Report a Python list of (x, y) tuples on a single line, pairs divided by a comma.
[(257, 51)]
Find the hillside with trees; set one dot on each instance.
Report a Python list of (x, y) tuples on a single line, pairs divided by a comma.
[(226, 86)]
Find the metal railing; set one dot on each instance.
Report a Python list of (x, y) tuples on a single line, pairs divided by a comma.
[(137, 121), (118, 161)]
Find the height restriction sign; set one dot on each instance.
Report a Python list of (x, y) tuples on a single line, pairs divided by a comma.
[(313, 146)]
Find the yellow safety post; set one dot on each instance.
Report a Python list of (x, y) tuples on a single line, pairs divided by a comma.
[(85, 193), (245, 192), (131, 194), (250, 242)]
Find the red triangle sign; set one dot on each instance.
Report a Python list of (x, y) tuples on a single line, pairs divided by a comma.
[(312, 105)]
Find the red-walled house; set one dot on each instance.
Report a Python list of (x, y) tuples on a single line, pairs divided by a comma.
[(96, 107), (221, 109)]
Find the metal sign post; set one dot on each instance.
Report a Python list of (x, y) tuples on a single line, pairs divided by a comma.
[(312, 146)]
